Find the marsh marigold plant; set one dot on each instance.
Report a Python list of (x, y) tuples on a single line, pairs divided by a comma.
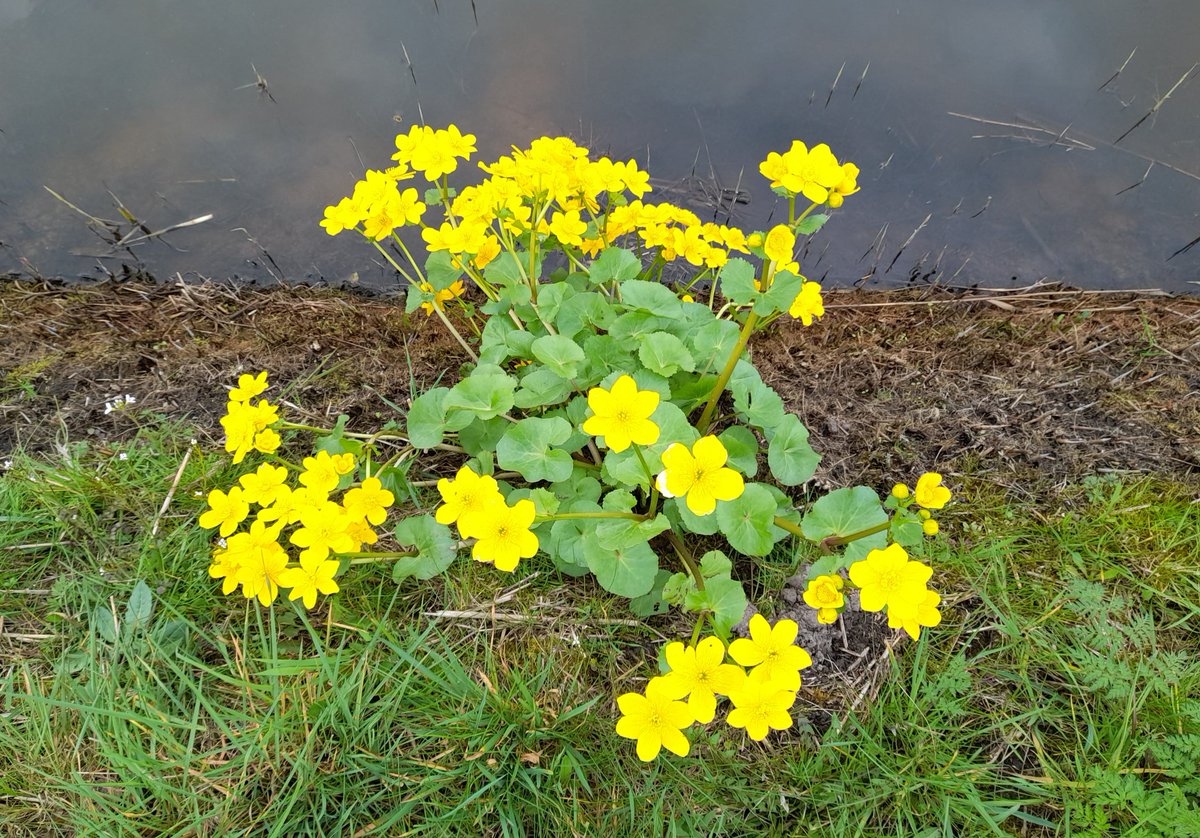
[(607, 422)]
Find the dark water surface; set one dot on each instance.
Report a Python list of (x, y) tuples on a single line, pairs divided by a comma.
[(141, 98)]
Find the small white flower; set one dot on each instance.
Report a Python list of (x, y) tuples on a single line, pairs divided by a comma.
[(220, 542), (119, 403), (6, 465), (122, 456)]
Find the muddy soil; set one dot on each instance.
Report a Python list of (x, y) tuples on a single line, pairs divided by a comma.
[(1033, 388)]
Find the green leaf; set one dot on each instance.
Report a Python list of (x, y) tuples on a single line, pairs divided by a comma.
[(712, 342), (651, 603), (526, 448), (824, 566), (653, 297), (587, 310), (738, 284), (748, 521), (811, 224), (906, 529), (561, 355), (565, 544), (742, 446), (665, 354), (844, 512), (540, 388), (784, 287), (715, 563), (580, 485), (755, 402), (626, 571), (724, 598), (632, 326), (414, 297), (105, 621), (791, 458), (139, 608), (690, 521), (486, 392), (335, 442), (614, 263), (434, 544), (677, 588), (440, 273), (618, 533), (482, 435)]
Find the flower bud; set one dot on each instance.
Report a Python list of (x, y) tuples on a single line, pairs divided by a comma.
[(929, 527), (900, 491)]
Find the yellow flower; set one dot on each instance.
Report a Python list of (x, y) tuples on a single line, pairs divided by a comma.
[(924, 614), (225, 511), (700, 673), (930, 492), (360, 533), (808, 304), (369, 501), (772, 651), (568, 228), (225, 565), (312, 576), (246, 428), (263, 486), (343, 463), (466, 498), (345, 215), (900, 491), (888, 579), (700, 475), (780, 244), (761, 705), (655, 720), (621, 414), (320, 472), (930, 526), (323, 531), (249, 386), (502, 535), (825, 594), (799, 170), (267, 441), (289, 503), (259, 574), (456, 289), (433, 152)]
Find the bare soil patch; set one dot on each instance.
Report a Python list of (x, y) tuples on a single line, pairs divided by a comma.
[(1031, 388)]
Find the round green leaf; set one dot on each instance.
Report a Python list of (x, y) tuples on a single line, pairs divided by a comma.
[(435, 548), (843, 512), (791, 458), (737, 282), (724, 598), (615, 263), (653, 297), (426, 420), (526, 448), (665, 354), (748, 521), (487, 392), (627, 571), (560, 354), (742, 446)]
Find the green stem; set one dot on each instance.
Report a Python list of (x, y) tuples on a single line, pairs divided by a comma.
[(785, 524), (839, 540), (685, 556), (374, 558), (696, 630), (637, 449), (564, 516), (719, 387)]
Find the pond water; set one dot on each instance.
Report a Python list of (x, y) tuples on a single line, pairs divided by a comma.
[(985, 131)]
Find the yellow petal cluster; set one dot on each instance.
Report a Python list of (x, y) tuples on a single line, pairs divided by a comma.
[(621, 414), (699, 475), (889, 579)]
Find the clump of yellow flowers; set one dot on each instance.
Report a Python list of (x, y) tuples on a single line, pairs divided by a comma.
[(607, 423), (300, 514)]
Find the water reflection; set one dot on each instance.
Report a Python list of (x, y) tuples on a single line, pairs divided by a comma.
[(158, 104)]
